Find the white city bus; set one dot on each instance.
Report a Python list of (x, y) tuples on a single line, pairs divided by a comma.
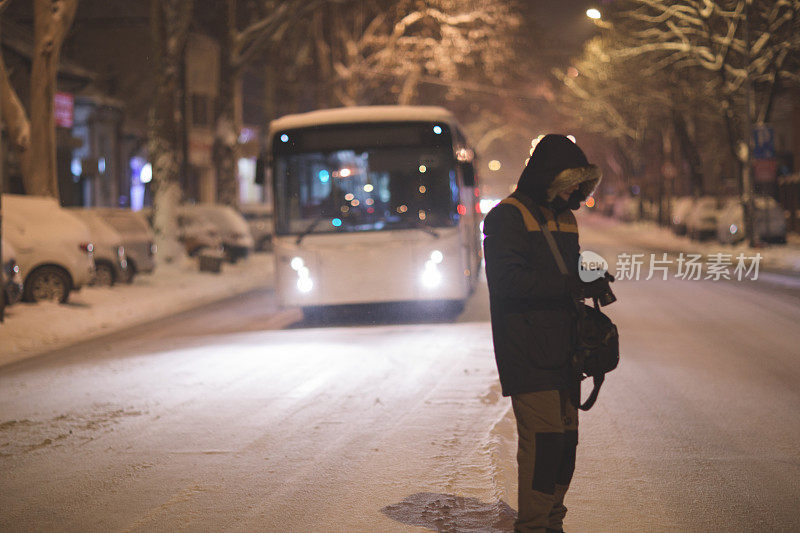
[(373, 204)]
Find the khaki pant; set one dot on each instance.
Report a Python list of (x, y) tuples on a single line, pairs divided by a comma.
[(547, 425)]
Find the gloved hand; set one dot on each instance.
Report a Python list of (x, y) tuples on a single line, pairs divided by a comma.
[(574, 286), (594, 289)]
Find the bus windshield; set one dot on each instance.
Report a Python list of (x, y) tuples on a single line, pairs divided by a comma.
[(364, 178)]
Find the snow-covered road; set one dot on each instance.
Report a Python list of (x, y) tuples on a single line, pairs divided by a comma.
[(217, 419)]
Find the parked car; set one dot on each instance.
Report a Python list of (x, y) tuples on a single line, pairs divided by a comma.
[(109, 254), (137, 238), (701, 221), (198, 235), (53, 247), (606, 204), (680, 209), (770, 222), (10, 277), (650, 208), (626, 208), (262, 225), (236, 239)]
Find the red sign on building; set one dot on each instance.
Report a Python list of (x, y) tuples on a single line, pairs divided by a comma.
[(64, 105)]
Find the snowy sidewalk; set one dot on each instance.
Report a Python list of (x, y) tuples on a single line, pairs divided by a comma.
[(30, 329), (650, 236)]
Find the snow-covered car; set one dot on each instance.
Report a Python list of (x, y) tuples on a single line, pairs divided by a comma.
[(198, 235), (262, 225), (10, 277), (770, 222), (137, 238), (53, 247), (109, 253), (626, 208), (680, 209), (701, 221), (232, 227)]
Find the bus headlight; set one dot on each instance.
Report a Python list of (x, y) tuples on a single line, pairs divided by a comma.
[(431, 277), (304, 283)]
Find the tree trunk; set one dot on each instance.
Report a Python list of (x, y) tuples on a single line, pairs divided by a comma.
[(169, 24), (51, 20), (228, 120), (226, 139), (690, 152), (14, 115)]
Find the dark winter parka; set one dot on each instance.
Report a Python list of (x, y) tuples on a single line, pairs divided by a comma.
[(531, 308)]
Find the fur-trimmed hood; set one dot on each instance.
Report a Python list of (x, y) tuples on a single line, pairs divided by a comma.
[(556, 165)]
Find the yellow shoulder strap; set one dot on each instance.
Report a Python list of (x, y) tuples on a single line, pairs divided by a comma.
[(527, 216)]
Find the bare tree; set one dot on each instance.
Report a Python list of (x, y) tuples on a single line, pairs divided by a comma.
[(239, 47), (51, 21), (169, 24), (751, 46), (405, 44)]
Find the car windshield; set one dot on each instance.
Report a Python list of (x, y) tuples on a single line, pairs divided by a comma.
[(327, 187)]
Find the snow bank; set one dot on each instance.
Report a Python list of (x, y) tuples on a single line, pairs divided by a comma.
[(34, 328), (651, 236)]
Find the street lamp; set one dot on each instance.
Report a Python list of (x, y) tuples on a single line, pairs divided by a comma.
[(594, 14)]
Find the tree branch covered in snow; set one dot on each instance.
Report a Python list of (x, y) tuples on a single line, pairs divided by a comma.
[(742, 41), (401, 44)]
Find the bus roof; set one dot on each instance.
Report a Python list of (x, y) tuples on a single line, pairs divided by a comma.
[(352, 115)]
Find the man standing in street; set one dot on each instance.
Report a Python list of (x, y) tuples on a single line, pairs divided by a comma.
[(532, 306)]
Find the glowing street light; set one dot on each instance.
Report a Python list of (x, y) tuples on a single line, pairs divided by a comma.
[(593, 14)]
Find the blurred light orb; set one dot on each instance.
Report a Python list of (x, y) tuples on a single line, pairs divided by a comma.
[(284, 138), (590, 202), (324, 176), (336, 222), (571, 138), (297, 263), (494, 164), (593, 14), (423, 169), (146, 175), (437, 130), (437, 256), (305, 284), (368, 187), (345, 172)]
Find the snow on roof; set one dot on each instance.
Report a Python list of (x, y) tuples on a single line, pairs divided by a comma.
[(351, 115), (102, 232)]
